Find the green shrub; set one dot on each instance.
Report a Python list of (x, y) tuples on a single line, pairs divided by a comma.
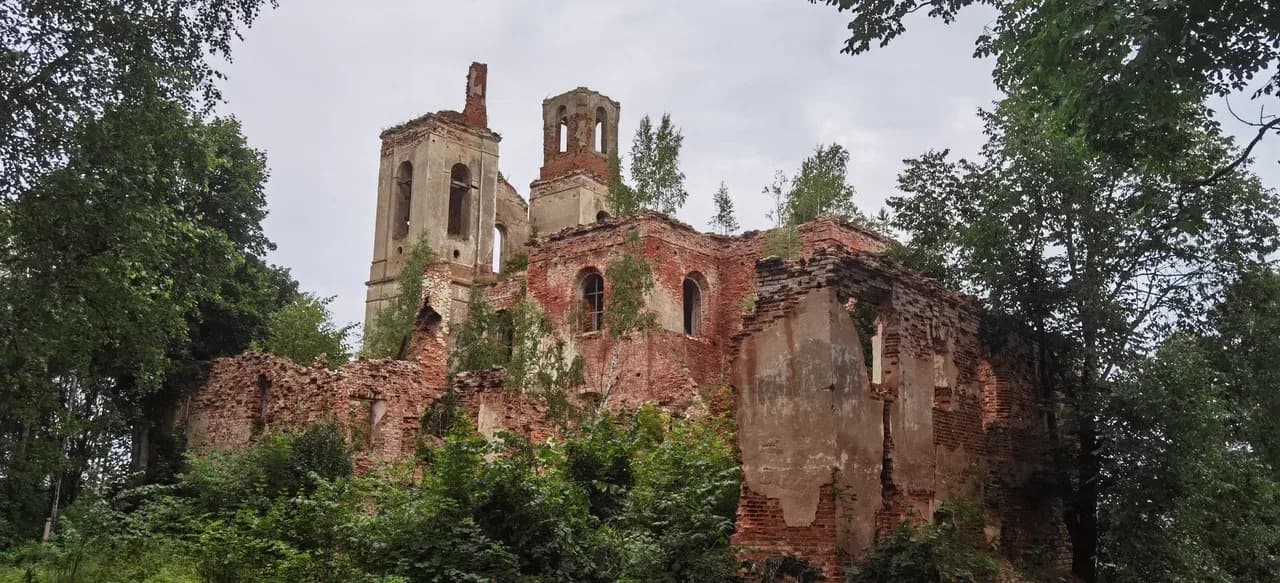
[(611, 502), (945, 551)]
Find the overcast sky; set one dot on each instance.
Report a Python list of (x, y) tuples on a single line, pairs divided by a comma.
[(754, 86)]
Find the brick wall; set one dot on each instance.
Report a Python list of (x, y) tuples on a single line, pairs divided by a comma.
[(378, 402), (959, 417)]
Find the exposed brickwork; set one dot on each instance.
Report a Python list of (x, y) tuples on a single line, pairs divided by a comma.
[(762, 532), (974, 400), (378, 402), (576, 112), (475, 114)]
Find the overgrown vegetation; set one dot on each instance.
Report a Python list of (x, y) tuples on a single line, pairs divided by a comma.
[(521, 341), (393, 325), (658, 183), (303, 331), (948, 550), (724, 219), (819, 188), (631, 280), (647, 500)]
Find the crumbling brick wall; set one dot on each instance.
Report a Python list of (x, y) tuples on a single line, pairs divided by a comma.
[(378, 402), (947, 415), (668, 367)]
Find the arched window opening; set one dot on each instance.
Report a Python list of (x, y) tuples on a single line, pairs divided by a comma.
[(459, 189), (602, 216), (499, 247), (562, 130), (599, 130), (692, 305), (404, 195), (592, 301)]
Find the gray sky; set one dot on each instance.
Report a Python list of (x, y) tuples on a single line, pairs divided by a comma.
[(753, 85)]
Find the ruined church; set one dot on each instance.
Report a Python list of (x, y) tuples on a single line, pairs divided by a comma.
[(845, 427)]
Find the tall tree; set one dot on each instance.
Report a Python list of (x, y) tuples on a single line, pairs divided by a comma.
[(1132, 77), (724, 220), (303, 330), (655, 166), (108, 270), (1188, 496), (821, 187), (1086, 247), (623, 200), (67, 62)]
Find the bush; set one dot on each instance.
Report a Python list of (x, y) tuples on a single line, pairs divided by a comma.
[(633, 502), (945, 551)]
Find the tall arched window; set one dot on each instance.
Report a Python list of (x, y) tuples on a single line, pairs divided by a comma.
[(459, 188), (404, 195), (499, 247), (562, 130), (693, 304), (599, 130), (592, 289)]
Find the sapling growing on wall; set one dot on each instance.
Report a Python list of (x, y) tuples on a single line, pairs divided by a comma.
[(394, 323), (631, 280)]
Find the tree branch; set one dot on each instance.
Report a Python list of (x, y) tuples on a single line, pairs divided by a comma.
[(1262, 131)]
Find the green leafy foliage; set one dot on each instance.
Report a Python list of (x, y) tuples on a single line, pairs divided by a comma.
[(1187, 499), (304, 330), (655, 166), (67, 62), (393, 325), (821, 187), (631, 279), (124, 270), (724, 220), (288, 509), (479, 341), (1132, 78), (947, 550), (517, 262), (1099, 258), (623, 200), (522, 341)]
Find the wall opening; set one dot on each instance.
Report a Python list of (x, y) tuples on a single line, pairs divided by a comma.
[(499, 247), (870, 326), (264, 405), (404, 196), (562, 130), (944, 369), (592, 290), (599, 130), (693, 286), (602, 216), (459, 191), (506, 331)]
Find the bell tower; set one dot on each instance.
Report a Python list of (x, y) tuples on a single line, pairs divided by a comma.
[(438, 180), (579, 133)]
